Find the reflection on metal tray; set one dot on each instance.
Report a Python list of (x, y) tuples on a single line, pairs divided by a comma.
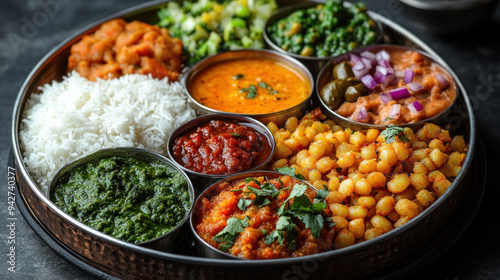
[(127, 261)]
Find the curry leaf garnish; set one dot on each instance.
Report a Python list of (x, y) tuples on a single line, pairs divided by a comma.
[(290, 171), (227, 236), (251, 91), (392, 131), (238, 76)]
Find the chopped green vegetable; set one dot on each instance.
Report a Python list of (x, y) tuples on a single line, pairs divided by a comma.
[(392, 131), (324, 30), (235, 134), (206, 27)]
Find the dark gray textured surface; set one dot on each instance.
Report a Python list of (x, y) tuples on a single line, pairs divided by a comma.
[(30, 28)]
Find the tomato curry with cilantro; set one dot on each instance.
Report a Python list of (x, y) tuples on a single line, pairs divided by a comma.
[(265, 218), (249, 86)]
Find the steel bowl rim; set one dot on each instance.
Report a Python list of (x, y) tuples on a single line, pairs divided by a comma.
[(245, 53), (285, 11), (446, 5), (217, 262), (261, 128), (210, 190), (351, 122)]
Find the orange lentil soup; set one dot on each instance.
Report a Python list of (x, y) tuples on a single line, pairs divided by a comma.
[(249, 86)]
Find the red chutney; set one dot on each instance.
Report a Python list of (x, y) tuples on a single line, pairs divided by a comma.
[(213, 214), (221, 148)]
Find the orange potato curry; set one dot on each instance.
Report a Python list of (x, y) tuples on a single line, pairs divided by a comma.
[(249, 86), (118, 48)]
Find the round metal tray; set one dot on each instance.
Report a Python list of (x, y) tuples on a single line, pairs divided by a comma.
[(429, 252), (127, 261)]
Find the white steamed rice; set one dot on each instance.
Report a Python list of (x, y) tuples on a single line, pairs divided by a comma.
[(76, 117)]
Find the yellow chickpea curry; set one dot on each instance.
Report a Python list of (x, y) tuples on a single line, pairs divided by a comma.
[(249, 86)]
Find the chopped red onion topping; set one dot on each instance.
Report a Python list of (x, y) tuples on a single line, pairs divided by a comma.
[(415, 107), (416, 87), (359, 69), (395, 111), (384, 80), (355, 59), (383, 62), (400, 93), (369, 81), (367, 62), (388, 80), (383, 55), (385, 98), (362, 114), (369, 55), (381, 69), (442, 80), (409, 75)]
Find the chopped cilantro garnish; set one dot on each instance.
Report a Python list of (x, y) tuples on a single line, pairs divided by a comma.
[(243, 203), (311, 214), (262, 85), (392, 131), (235, 134), (290, 171), (238, 76), (230, 232), (251, 91)]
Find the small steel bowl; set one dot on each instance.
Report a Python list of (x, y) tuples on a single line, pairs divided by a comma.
[(205, 249), (313, 63), (278, 117), (447, 16), (325, 76), (168, 242), (200, 180)]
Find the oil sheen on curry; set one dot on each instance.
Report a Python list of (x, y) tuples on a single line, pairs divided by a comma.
[(249, 86), (389, 87)]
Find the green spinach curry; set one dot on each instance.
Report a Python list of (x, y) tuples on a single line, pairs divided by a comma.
[(126, 198)]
